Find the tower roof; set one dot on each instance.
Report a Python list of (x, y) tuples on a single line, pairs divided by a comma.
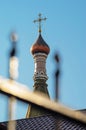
[(40, 46)]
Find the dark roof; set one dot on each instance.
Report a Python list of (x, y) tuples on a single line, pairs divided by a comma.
[(83, 111), (49, 122), (3, 126)]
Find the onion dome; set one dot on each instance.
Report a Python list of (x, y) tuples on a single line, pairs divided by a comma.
[(40, 46)]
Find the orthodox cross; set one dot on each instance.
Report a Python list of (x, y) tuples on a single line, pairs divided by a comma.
[(39, 20)]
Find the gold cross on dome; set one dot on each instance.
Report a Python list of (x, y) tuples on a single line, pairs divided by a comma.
[(39, 20)]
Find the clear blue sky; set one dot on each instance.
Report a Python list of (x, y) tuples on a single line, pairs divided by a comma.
[(64, 31)]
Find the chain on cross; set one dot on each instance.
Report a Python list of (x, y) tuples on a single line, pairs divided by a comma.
[(39, 20)]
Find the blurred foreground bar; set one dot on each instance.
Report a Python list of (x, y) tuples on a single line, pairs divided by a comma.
[(21, 92)]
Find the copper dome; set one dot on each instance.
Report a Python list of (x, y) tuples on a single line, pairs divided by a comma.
[(40, 46)]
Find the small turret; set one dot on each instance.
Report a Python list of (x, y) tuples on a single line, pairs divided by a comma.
[(40, 51)]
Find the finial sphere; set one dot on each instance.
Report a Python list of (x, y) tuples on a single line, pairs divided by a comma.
[(14, 37)]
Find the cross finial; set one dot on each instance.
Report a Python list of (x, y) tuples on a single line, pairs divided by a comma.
[(39, 20)]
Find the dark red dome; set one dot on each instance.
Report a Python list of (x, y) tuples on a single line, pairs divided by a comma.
[(40, 46)]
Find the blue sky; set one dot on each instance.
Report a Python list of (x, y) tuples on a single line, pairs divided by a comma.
[(64, 31)]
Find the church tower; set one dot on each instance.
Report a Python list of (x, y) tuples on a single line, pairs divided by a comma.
[(40, 51)]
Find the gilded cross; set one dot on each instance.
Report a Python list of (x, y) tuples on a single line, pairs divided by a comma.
[(39, 20)]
